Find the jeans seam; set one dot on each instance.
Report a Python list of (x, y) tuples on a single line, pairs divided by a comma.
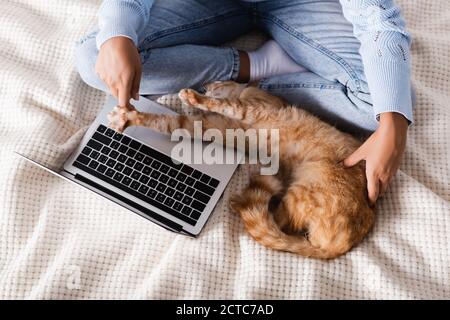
[(191, 26), (263, 85), (236, 64), (348, 69)]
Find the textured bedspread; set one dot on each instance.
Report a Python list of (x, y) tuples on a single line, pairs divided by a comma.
[(60, 241)]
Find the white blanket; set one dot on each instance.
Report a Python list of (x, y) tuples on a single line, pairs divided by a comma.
[(60, 241)]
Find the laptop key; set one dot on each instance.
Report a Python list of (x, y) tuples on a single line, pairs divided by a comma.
[(102, 168), (144, 179), (135, 185), (156, 164), (117, 136), (152, 193), (135, 175), (147, 170), (86, 151), (139, 156), (161, 187), (130, 162), (163, 178), (127, 171), (110, 172), (102, 158), (201, 197), (101, 128), (94, 155), (95, 145), (118, 176), (114, 154), (119, 167), (123, 148), (195, 214), (152, 183), (196, 174), (126, 140), (178, 195), (109, 132), (147, 161), (164, 168), (138, 166), (198, 205), (187, 170), (160, 197), (135, 145), (172, 182), (103, 139), (177, 206), (189, 191), (106, 150), (126, 181), (181, 186), (172, 173), (187, 200), (111, 163), (155, 174), (83, 159), (204, 188), (93, 164), (143, 189), (169, 202), (122, 158), (190, 181), (214, 183), (181, 177), (115, 145), (131, 152), (186, 210), (169, 191), (205, 178)]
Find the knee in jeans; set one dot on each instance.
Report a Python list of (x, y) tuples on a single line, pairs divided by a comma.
[(85, 57)]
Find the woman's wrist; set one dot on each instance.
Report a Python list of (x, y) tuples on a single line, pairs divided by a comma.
[(394, 120)]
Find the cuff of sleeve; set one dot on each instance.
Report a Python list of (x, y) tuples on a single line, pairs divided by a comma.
[(115, 30), (391, 88)]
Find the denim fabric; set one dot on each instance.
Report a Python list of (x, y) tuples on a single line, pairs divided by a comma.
[(179, 48)]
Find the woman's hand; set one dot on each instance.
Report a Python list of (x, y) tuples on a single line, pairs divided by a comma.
[(382, 152), (119, 66)]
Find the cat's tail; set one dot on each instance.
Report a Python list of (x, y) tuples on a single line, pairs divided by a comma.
[(253, 206)]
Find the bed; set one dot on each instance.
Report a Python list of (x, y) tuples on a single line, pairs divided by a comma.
[(59, 241)]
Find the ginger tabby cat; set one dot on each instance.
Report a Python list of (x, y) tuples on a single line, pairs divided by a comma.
[(313, 206)]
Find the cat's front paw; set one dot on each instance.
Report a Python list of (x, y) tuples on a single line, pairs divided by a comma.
[(192, 98), (122, 117), (188, 97)]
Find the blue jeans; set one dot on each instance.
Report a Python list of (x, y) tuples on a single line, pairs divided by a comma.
[(180, 48)]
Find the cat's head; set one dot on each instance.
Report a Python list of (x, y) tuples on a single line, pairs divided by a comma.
[(224, 89)]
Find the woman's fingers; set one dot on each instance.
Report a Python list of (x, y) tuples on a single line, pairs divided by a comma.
[(384, 183), (373, 187), (136, 84), (125, 90), (355, 157)]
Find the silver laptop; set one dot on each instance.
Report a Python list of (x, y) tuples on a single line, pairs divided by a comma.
[(137, 171)]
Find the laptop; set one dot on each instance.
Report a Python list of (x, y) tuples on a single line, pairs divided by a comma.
[(136, 170)]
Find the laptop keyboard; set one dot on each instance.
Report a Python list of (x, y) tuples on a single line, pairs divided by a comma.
[(147, 174)]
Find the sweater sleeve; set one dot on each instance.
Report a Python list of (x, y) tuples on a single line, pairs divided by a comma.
[(122, 18), (385, 51)]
